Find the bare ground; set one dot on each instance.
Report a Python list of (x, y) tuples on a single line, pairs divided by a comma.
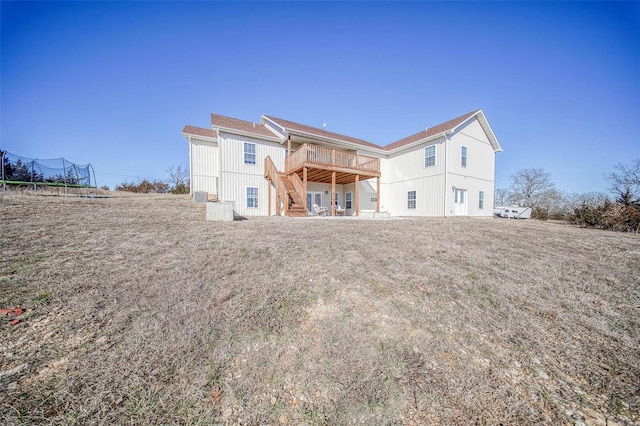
[(139, 311)]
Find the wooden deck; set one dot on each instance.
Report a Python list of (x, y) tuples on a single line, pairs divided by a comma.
[(321, 162), (315, 163)]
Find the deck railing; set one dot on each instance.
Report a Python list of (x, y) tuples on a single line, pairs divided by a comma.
[(319, 155), (299, 187), (271, 172)]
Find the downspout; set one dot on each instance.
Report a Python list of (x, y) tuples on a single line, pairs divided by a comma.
[(190, 168), (446, 175)]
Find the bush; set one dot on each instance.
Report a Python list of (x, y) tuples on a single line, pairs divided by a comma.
[(539, 213), (180, 189), (608, 215), (144, 187)]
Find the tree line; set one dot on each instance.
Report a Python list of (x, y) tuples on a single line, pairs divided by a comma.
[(534, 188), (177, 182)]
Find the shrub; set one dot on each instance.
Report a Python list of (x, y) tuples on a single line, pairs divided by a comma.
[(608, 215), (144, 187), (539, 213)]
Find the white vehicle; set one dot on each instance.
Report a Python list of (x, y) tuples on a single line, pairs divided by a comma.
[(513, 212)]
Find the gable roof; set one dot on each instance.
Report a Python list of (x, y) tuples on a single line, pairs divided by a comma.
[(432, 131), (223, 121), (199, 131), (297, 127), (259, 129)]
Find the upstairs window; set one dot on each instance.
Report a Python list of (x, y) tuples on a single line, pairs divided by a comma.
[(249, 153), (430, 156), (252, 197), (481, 200), (463, 157), (411, 199)]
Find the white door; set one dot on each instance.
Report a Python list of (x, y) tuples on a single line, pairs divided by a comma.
[(461, 202)]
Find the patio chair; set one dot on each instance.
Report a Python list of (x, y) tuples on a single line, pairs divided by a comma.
[(340, 211), (319, 211)]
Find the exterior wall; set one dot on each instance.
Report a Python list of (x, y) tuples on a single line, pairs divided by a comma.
[(479, 173), (236, 176), (218, 167), (406, 172), (205, 165)]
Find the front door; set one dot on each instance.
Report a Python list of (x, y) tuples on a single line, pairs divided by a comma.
[(461, 202)]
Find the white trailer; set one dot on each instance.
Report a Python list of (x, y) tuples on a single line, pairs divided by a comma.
[(513, 212)]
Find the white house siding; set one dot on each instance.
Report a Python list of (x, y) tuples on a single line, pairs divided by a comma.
[(404, 172), (205, 165), (236, 177), (479, 173)]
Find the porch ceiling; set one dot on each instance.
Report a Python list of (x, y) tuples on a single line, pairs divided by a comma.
[(324, 176)]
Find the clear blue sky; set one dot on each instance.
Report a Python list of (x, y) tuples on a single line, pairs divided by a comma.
[(113, 83)]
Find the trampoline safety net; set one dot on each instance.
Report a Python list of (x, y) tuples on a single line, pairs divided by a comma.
[(17, 170)]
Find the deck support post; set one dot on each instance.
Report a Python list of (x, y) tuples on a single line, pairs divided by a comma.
[(304, 187), (357, 195), (269, 197), (286, 160), (333, 193), (378, 195)]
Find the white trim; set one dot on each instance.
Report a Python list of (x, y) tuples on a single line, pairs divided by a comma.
[(242, 133), (195, 136), (411, 145), (246, 197)]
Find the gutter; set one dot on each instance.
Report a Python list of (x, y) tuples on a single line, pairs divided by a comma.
[(446, 175), (243, 133)]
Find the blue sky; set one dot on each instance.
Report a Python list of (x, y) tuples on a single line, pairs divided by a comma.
[(113, 83)]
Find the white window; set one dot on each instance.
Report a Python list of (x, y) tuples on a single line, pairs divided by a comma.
[(430, 156), (249, 153), (481, 200), (337, 199), (411, 200), (347, 200), (252, 197), (463, 157)]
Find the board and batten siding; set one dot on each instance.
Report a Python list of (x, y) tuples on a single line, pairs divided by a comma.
[(236, 176), (478, 175), (406, 171), (204, 165)]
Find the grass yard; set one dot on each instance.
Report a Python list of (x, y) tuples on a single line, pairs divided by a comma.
[(139, 311)]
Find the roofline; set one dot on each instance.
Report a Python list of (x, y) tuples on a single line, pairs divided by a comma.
[(334, 140), (243, 133), (492, 136), (419, 141), (196, 136)]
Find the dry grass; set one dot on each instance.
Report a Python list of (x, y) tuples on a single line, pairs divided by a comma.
[(139, 311)]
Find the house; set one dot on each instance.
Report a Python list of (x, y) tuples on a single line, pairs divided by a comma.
[(279, 167)]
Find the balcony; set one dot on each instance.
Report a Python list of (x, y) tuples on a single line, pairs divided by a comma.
[(321, 162)]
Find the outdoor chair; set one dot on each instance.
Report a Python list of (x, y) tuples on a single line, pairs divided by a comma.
[(339, 211), (319, 211)]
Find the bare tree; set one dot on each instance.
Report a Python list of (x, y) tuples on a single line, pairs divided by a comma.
[(589, 199), (178, 179), (625, 183), (529, 187), (501, 198)]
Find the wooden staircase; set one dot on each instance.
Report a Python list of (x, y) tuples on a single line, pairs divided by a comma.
[(296, 204)]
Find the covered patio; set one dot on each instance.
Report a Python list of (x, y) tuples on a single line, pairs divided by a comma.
[(316, 163)]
